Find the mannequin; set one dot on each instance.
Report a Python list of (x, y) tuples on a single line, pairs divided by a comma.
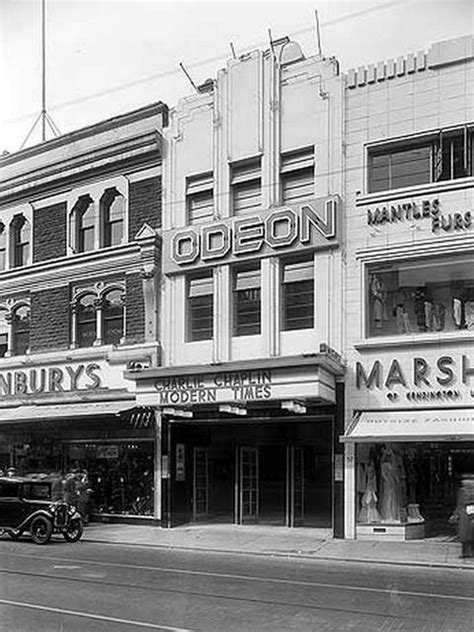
[(390, 496), (369, 512)]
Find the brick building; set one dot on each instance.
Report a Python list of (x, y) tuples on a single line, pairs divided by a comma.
[(79, 272), (409, 291)]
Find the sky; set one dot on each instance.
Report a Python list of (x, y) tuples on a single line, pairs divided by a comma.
[(106, 57)]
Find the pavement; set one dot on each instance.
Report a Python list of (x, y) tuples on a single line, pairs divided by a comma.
[(304, 543)]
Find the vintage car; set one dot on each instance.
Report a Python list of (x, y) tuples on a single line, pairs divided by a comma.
[(26, 505)]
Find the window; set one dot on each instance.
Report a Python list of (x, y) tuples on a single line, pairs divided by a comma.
[(445, 157), (4, 327), (200, 305), (21, 330), (9, 489), (85, 224), (298, 295), (246, 301), (112, 208), (200, 198), (297, 175), (3, 246), (246, 187), (422, 296), (112, 317), (86, 321), (20, 241)]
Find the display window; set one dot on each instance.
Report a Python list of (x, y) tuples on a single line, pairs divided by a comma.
[(420, 296), (120, 475), (409, 483)]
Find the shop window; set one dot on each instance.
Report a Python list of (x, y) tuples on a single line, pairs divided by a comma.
[(246, 187), (21, 330), (112, 317), (20, 241), (246, 301), (200, 307), (410, 484), (3, 246), (298, 294), (86, 321), (85, 216), (446, 156), (297, 175), (422, 296), (200, 198), (112, 208)]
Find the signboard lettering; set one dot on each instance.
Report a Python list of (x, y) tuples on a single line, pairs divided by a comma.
[(52, 379), (308, 225), (397, 212)]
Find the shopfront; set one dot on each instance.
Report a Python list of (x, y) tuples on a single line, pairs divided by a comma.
[(249, 442), (58, 419), (406, 453)]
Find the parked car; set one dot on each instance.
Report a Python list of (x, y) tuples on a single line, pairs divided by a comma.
[(26, 505)]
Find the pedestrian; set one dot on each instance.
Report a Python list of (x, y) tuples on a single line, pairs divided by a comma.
[(70, 494), (464, 515), (83, 491), (57, 486)]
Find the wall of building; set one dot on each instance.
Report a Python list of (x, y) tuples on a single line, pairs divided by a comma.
[(258, 108), (406, 99)]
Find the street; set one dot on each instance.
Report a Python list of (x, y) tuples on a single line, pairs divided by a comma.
[(72, 587)]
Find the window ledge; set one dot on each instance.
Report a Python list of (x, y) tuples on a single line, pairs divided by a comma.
[(414, 340), (433, 188)]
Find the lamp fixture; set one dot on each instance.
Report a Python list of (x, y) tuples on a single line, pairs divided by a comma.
[(177, 412), (233, 410), (294, 407)]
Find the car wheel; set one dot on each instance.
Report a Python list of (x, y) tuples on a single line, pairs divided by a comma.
[(74, 531), (41, 530), (14, 535)]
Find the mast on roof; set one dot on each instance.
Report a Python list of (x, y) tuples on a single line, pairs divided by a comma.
[(43, 117)]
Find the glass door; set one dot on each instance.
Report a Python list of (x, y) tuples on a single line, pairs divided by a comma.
[(295, 487), (200, 484), (249, 492)]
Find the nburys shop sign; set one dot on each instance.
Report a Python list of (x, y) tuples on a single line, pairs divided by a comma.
[(51, 379), (311, 224)]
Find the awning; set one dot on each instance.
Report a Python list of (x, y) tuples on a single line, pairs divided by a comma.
[(63, 411), (411, 425)]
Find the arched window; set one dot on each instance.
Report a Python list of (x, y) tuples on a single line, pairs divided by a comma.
[(86, 321), (20, 241), (112, 207), (4, 328), (84, 213), (3, 247), (112, 317), (21, 330)]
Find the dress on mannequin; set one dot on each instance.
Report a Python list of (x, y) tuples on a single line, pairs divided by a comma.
[(390, 492), (369, 512)]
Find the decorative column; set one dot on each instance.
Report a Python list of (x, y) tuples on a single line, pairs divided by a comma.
[(98, 306), (148, 275), (73, 307)]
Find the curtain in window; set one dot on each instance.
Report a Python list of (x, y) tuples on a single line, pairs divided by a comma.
[(21, 330), (112, 317)]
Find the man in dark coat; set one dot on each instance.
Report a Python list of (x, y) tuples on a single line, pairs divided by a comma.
[(464, 514)]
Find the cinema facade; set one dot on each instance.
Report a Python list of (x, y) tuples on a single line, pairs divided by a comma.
[(410, 285), (249, 397)]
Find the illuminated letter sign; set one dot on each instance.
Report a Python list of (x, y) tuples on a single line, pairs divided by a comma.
[(215, 241), (185, 246), (311, 224), (309, 217), (248, 235), (281, 228)]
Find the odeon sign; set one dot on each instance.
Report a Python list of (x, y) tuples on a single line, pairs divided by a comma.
[(311, 224)]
